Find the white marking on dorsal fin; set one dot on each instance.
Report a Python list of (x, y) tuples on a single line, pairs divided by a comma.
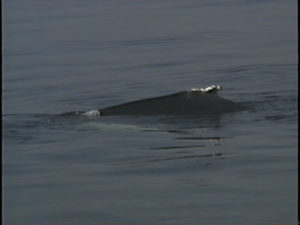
[(209, 89)]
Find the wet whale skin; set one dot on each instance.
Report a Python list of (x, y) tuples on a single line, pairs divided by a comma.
[(187, 102)]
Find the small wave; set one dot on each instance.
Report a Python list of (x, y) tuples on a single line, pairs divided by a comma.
[(184, 157)]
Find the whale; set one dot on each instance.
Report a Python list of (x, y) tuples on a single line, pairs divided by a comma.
[(195, 101)]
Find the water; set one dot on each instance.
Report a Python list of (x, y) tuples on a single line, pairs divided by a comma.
[(63, 56)]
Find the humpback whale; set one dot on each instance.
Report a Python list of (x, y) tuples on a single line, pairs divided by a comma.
[(190, 102)]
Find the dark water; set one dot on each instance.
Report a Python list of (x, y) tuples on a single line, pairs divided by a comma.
[(66, 55)]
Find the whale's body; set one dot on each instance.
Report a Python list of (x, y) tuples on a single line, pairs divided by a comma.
[(190, 102)]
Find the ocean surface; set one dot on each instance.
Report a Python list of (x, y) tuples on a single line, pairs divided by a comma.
[(70, 55)]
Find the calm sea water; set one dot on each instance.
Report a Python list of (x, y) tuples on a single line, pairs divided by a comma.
[(67, 55)]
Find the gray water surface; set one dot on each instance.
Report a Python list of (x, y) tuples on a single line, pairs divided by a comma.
[(237, 168)]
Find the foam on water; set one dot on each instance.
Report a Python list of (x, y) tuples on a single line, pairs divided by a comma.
[(92, 113)]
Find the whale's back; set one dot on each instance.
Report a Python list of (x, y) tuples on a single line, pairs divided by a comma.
[(186, 102)]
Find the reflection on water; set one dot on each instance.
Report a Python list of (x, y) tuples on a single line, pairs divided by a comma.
[(219, 159)]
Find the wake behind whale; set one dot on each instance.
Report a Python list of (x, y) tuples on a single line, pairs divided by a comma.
[(190, 102)]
